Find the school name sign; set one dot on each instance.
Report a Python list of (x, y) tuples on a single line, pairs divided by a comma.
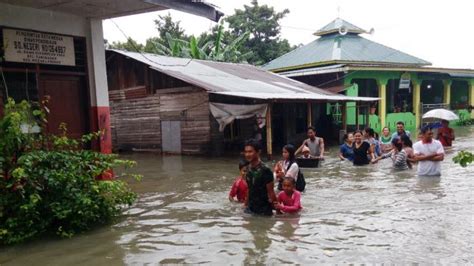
[(38, 48)]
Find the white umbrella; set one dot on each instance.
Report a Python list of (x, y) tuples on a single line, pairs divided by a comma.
[(441, 114)]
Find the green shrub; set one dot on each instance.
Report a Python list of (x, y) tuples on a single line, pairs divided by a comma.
[(464, 158), (48, 184)]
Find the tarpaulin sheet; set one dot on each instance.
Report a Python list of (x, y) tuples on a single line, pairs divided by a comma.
[(227, 113)]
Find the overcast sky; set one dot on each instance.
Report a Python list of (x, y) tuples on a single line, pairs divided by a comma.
[(440, 31)]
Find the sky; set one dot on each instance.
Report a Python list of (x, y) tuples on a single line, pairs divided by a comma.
[(438, 31)]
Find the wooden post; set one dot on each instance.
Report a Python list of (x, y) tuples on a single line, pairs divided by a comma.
[(344, 116), (232, 131), (367, 116), (447, 92), (310, 115), (268, 121), (417, 102), (357, 115), (382, 102)]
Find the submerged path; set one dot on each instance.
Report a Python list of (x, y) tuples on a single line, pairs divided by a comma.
[(368, 214)]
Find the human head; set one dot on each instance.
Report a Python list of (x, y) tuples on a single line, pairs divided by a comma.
[(357, 136), (400, 127), (311, 132), (243, 167), (406, 141), (349, 138), (369, 132), (385, 132), (445, 123), (306, 151), (397, 143), (252, 150), (427, 133), (289, 152), (288, 185)]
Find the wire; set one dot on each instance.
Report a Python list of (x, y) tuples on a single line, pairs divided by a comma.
[(142, 54)]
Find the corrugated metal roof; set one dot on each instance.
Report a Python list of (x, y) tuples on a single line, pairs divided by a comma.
[(349, 48), (335, 25), (240, 80)]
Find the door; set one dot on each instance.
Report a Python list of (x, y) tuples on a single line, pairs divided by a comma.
[(171, 136), (67, 104)]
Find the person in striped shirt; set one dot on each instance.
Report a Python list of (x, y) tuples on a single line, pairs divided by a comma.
[(398, 155)]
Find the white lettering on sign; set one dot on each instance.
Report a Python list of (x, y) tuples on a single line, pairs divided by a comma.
[(38, 48)]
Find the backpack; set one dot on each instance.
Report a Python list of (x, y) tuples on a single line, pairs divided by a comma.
[(300, 182)]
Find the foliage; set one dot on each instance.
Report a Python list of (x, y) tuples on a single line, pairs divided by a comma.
[(253, 36), (130, 45), (263, 23), (464, 158), (48, 184)]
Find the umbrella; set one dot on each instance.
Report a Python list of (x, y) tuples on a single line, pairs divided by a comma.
[(441, 114)]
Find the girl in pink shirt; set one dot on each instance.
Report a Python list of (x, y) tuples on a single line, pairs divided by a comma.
[(289, 198)]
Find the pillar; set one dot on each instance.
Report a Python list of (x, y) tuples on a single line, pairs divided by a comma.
[(447, 92), (99, 95), (309, 116), (416, 102), (268, 121), (471, 97), (382, 102)]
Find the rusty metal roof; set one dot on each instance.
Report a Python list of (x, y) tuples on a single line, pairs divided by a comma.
[(239, 80)]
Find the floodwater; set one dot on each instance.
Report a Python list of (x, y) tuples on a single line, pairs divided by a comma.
[(351, 215)]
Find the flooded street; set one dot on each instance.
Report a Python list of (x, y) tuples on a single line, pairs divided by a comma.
[(353, 215)]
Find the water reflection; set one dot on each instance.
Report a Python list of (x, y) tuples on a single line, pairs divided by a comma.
[(350, 215)]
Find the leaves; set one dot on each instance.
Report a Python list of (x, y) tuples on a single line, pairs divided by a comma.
[(464, 158), (48, 184)]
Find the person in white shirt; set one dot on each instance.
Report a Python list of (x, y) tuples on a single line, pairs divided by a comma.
[(288, 166), (429, 153)]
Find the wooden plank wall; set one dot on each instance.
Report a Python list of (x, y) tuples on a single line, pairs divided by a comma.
[(192, 109), (136, 123)]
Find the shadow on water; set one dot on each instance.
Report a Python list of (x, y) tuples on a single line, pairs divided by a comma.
[(350, 215)]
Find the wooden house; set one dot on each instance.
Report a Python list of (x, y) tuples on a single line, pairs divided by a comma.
[(180, 105)]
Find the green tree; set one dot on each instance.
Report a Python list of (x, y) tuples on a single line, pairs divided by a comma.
[(130, 45), (262, 22), (165, 26)]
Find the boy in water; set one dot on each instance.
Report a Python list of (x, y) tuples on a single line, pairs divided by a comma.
[(240, 188), (260, 195)]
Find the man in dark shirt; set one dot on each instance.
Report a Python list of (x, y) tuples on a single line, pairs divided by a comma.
[(261, 194)]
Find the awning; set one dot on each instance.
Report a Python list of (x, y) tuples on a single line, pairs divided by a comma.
[(227, 113), (297, 96)]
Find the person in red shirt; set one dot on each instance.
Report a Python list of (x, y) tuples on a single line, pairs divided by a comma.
[(239, 188), (289, 200), (445, 134)]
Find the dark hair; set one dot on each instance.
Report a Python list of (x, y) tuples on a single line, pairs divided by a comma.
[(400, 123), (385, 128), (291, 151), (291, 179), (370, 132), (358, 131), (254, 144), (425, 129), (242, 164), (397, 143), (346, 136), (406, 140), (311, 128)]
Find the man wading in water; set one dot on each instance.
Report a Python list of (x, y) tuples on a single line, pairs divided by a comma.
[(261, 196), (315, 144)]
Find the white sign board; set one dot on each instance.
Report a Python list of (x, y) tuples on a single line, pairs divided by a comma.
[(38, 48)]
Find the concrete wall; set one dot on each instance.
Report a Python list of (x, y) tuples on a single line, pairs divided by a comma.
[(66, 24)]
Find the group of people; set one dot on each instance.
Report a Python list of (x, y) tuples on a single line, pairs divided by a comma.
[(365, 147), (255, 187)]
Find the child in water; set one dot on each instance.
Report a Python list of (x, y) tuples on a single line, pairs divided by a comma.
[(307, 153), (289, 200), (239, 188)]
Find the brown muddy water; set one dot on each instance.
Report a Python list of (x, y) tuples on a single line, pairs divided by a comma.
[(351, 215)]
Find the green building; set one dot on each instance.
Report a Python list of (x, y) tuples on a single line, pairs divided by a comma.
[(343, 61)]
